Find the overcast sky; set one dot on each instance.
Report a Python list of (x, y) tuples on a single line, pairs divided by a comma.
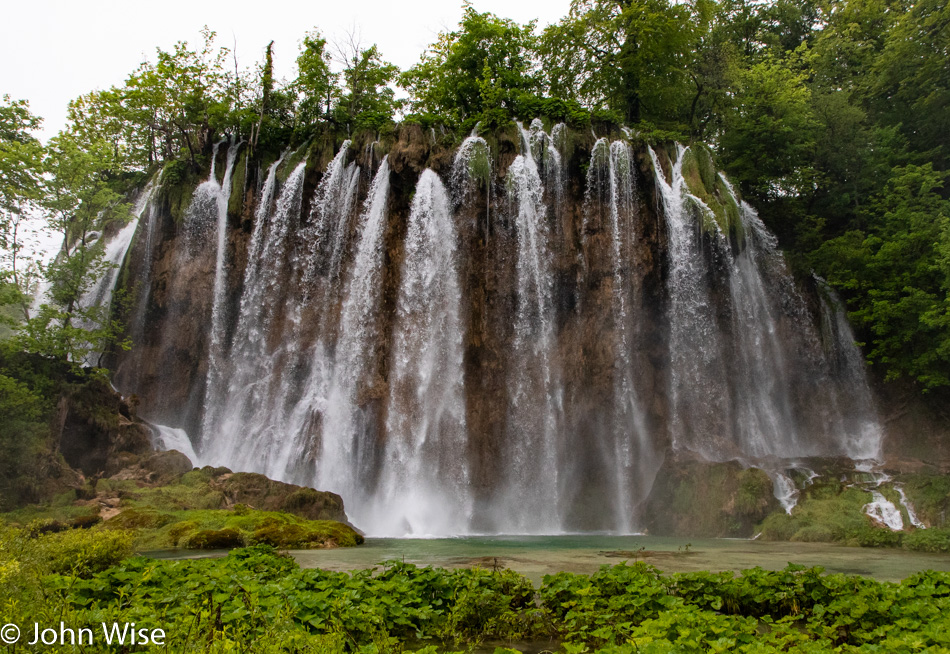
[(55, 50)]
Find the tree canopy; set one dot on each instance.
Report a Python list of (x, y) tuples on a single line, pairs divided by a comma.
[(832, 117)]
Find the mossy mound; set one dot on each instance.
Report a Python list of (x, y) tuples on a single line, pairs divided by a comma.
[(226, 529), (829, 511), (695, 498), (215, 539), (318, 534), (207, 508), (702, 180)]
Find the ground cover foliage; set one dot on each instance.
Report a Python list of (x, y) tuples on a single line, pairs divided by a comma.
[(258, 600)]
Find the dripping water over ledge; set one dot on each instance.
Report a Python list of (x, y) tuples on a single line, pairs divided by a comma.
[(481, 347)]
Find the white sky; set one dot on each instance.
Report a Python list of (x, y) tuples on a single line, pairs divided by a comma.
[(52, 51)]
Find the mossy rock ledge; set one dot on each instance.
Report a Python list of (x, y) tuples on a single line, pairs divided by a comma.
[(704, 499), (214, 508)]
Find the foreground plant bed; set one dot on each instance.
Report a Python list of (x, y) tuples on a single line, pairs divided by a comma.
[(257, 600)]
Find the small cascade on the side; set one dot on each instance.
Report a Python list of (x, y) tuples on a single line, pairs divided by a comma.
[(535, 421), (349, 440), (627, 450), (784, 489), (911, 514), (214, 195), (248, 399), (143, 287), (700, 408), (762, 390), (860, 431), (424, 486), (166, 438), (884, 511), (114, 253)]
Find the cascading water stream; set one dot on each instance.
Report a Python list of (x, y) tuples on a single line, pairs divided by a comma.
[(699, 402), (628, 452), (309, 334), (861, 434), (424, 486), (243, 431), (536, 392), (114, 253), (347, 441), (220, 194), (100, 294), (762, 396)]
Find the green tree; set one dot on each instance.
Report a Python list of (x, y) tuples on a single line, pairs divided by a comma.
[(912, 85), (631, 56), (477, 72), (80, 201), (367, 98), (315, 85), (897, 275), (21, 186), (769, 139)]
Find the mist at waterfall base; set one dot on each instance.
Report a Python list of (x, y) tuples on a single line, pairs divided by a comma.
[(346, 349)]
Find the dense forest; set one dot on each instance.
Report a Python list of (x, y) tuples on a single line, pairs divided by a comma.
[(832, 118)]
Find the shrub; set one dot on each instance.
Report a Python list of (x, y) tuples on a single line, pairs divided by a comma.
[(928, 540), (81, 552)]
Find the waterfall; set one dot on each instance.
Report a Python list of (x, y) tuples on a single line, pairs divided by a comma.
[(347, 436), (425, 483), (171, 438), (911, 514), (536, 393), (212, 196), (471, 169), (626, 448), (521, 375), (884, 511), (308, 355), (762, 409), (764, 412), (861, 434), (100, 293), (699, 402), (241, 430), (784, 490)]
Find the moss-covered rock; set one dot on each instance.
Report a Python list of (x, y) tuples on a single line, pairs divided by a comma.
[(705, 183), (140, 519), (224, 529), (215, 539), (696, 498), (321, 534), (828, 511), (929, 494)]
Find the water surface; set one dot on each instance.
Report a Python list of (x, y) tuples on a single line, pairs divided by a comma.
[(536, 556)]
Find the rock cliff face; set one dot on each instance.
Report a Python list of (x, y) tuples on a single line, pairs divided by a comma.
[(508, 334)]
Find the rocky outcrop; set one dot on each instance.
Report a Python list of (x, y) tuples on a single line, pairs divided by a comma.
[(94, 427), (698, 498)]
